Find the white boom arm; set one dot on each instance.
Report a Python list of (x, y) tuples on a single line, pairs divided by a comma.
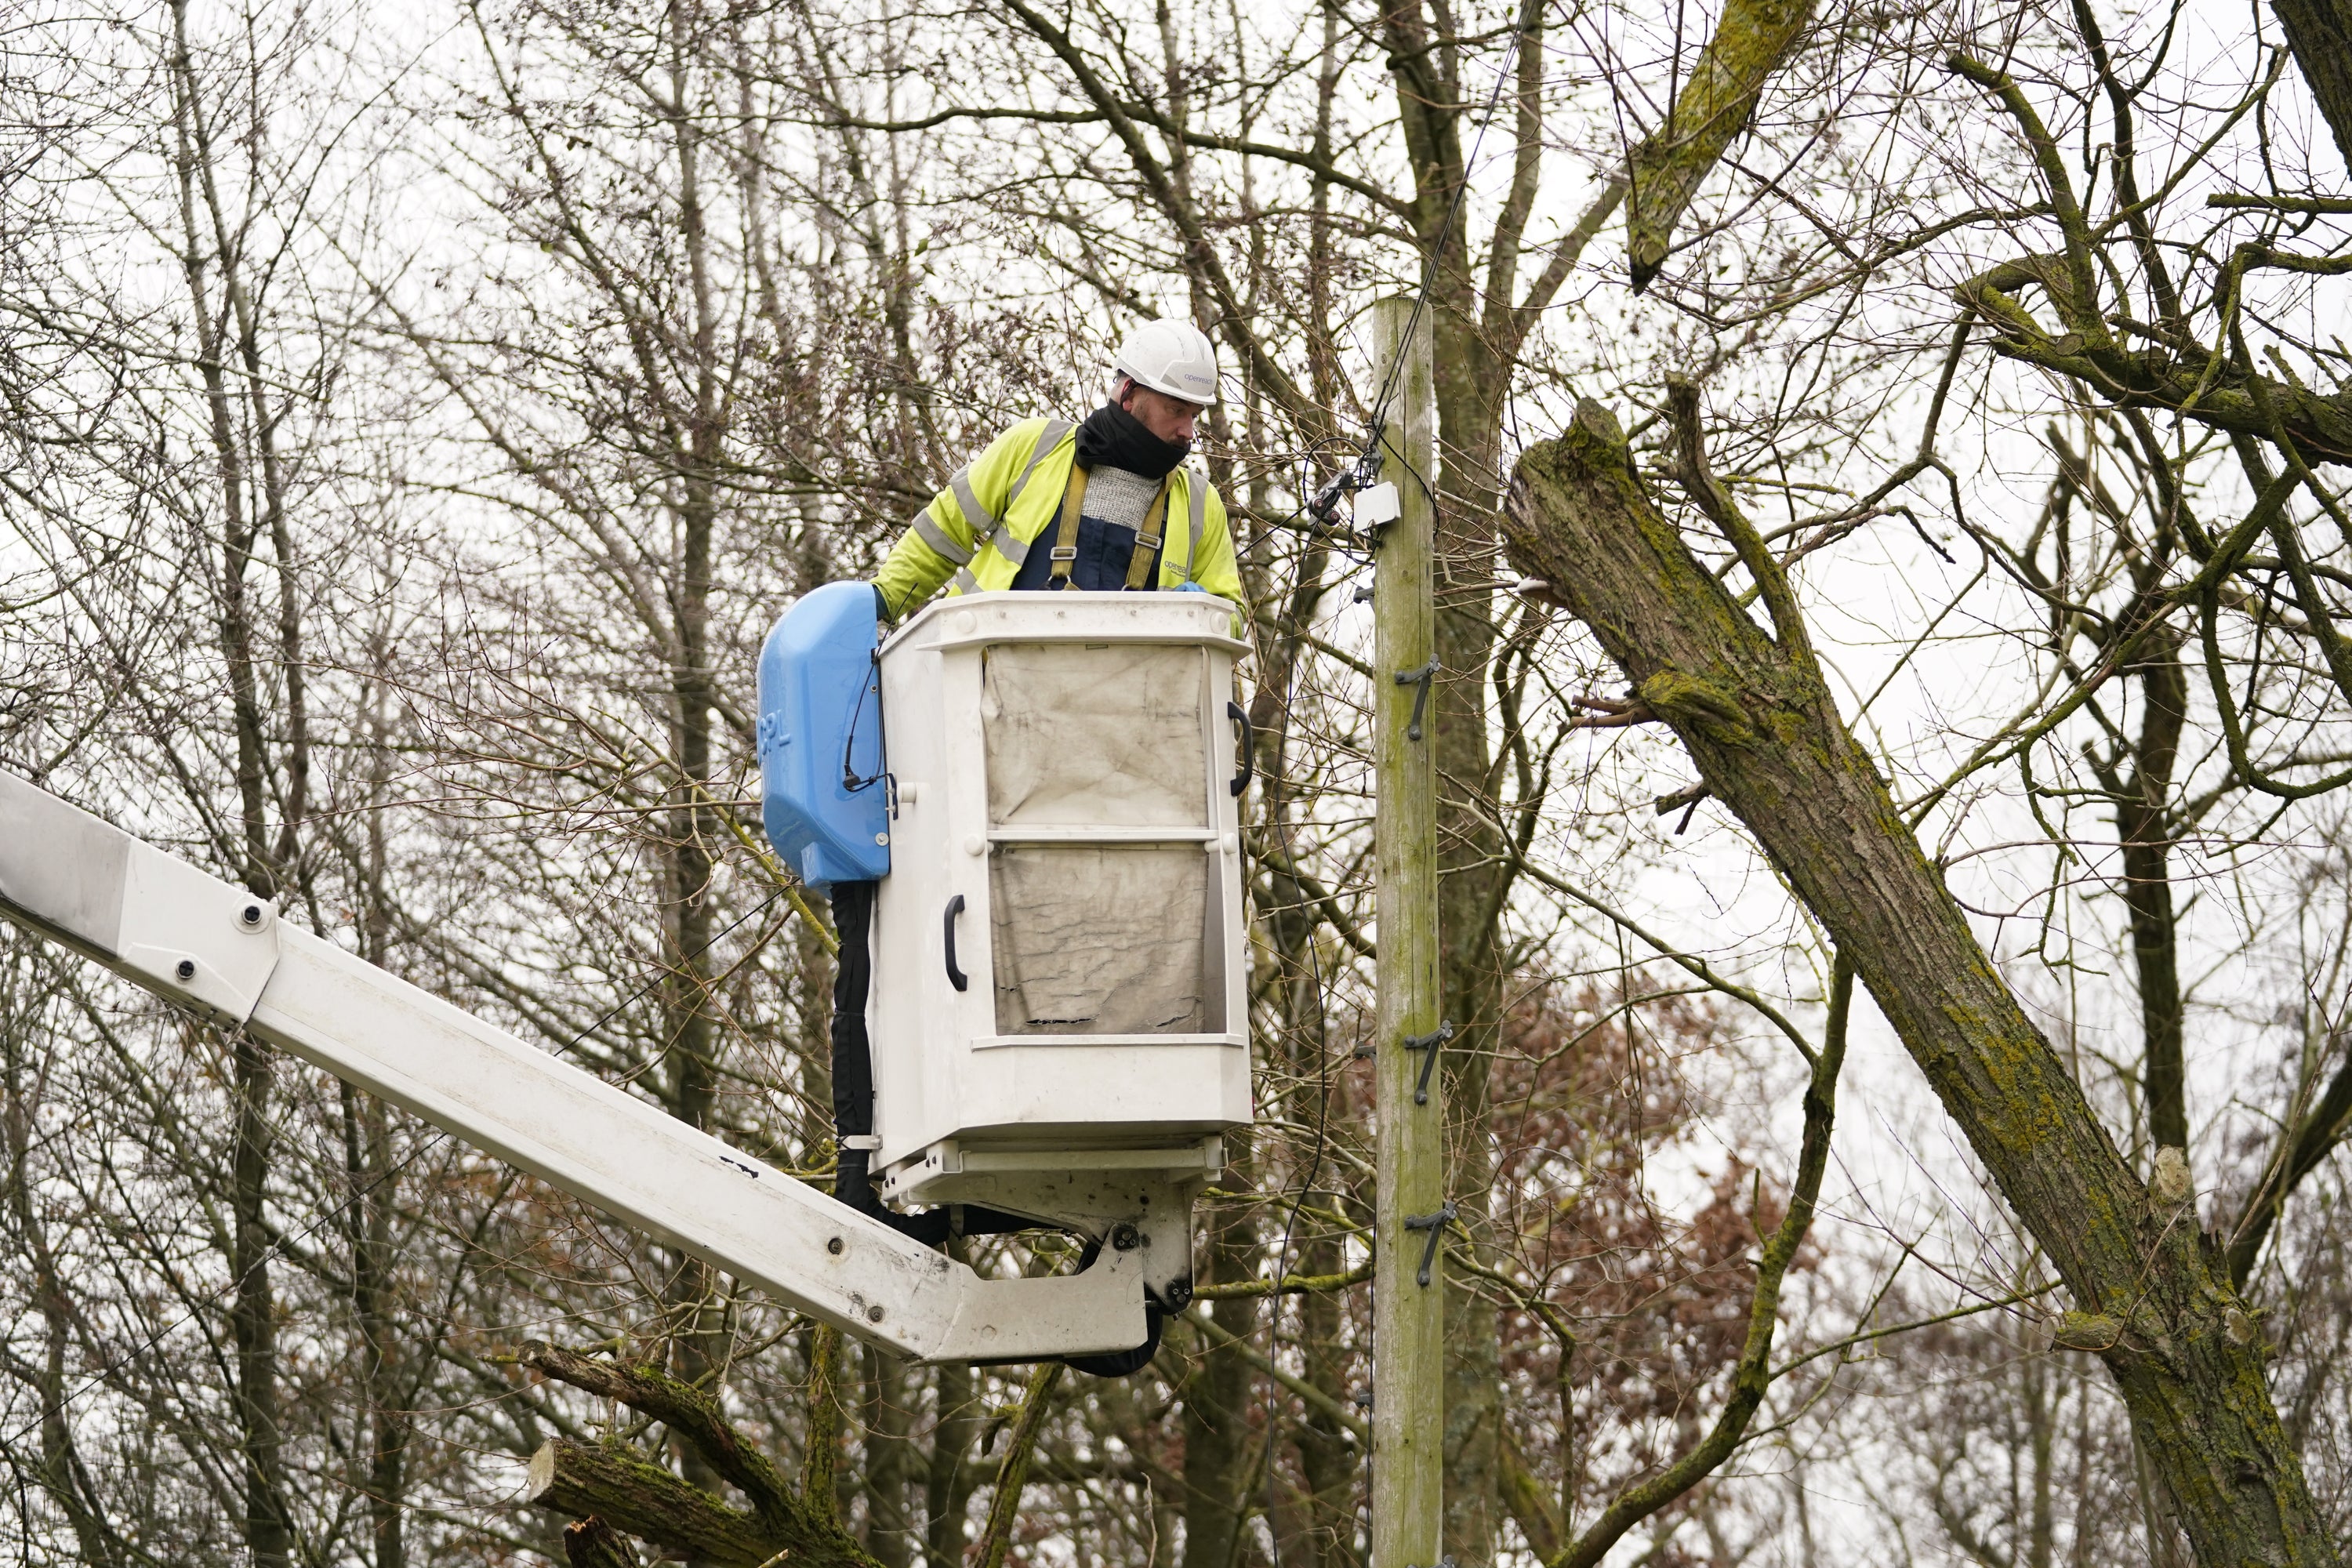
[(163, 924)]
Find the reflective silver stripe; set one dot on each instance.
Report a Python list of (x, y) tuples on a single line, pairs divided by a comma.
[(928, 530), (1047, 440), (1196, 486), (1000, 533), (965, 583), (974, 515)]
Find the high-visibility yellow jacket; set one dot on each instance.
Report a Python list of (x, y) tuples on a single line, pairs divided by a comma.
[(979, 529)]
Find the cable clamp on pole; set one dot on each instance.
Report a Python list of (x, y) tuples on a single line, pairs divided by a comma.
[(1421, 678), (1436, 1224), (1430, 1043), (1359, 476)]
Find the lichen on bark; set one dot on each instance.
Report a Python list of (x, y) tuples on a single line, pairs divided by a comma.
[(2191, 1376), (1752, 40)]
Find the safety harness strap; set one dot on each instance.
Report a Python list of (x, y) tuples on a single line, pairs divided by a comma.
[(1066, 533), (1139, 562), (1198, 488), (1146, 555)]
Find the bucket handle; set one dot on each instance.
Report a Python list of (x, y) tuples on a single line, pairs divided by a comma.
[(956, 977), (1248, 753)]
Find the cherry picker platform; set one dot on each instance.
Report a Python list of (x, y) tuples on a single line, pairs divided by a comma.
[(1059, 1029)]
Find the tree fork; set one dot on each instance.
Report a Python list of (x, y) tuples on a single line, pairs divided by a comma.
[(1765, 735), (592, 1543), (1013, 1470), (637, 1496)]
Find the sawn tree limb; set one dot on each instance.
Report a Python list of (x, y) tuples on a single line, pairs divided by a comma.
[(643, 1498)]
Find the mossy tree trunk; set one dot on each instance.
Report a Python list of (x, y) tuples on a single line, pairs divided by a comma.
[(697, 1309), (1218, 1474), (2144, 811), (2319, 32), (1758, 720)]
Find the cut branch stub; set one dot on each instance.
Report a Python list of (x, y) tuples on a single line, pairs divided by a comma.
[(780, 1519), (639, 1497)]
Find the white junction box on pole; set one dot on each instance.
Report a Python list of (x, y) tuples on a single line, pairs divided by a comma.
[(1059, 1021)]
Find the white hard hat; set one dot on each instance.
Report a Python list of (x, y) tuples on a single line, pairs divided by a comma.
[(1171, 356)]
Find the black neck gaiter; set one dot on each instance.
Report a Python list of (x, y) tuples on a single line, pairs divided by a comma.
[(1111, 437)]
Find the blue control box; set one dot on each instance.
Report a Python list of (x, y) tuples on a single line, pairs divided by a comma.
[(823, 798)]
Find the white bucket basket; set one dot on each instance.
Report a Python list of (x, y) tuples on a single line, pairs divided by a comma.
[(1067, 841)]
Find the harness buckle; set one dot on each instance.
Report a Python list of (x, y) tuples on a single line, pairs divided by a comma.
[(1064, 552)]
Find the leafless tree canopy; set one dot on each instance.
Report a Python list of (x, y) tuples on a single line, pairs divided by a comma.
[(1896, 907)]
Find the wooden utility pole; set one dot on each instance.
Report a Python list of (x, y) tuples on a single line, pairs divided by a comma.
[(1407, 1296)]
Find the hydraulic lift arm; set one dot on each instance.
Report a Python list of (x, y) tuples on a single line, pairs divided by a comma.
[(205, 945)]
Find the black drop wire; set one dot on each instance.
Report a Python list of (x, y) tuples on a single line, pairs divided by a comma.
[(1327, 500)]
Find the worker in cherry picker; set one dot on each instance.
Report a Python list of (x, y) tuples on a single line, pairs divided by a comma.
[(1109, 503), (1106, 504)]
